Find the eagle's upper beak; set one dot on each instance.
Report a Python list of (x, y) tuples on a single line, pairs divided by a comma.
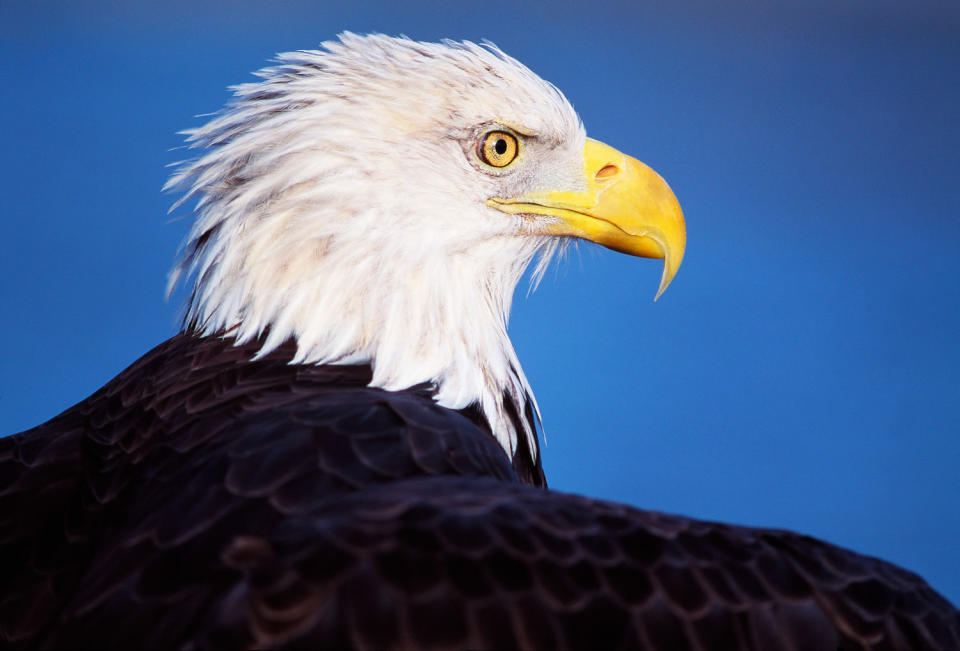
[(626, 206)]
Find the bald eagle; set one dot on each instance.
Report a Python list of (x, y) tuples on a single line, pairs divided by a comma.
[(340, 449)]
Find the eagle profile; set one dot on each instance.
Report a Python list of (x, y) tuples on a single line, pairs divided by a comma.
[(340, 449)]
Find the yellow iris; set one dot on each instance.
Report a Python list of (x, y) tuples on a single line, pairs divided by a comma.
[(498, 148)]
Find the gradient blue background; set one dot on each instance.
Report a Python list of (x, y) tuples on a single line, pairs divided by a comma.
[(803, 371)]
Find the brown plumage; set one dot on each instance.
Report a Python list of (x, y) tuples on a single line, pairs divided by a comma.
[(202, 500)]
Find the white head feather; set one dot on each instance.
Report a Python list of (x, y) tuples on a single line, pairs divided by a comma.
[(340, 203)]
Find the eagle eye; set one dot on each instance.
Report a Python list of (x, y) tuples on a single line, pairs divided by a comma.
[(498, 148)]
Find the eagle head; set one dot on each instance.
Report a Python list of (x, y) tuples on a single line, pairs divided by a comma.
[(378, 200)]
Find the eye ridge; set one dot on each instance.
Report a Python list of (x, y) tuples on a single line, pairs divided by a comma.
[(498, 148)]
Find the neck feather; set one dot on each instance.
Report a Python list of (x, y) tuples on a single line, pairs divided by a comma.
[(417, 314)]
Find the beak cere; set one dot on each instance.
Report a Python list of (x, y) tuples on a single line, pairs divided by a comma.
[(626, 206)]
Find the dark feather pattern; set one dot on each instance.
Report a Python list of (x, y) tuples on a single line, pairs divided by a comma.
[(201, 500)]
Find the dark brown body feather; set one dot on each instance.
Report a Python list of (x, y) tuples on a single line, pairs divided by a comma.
[(200, 500)]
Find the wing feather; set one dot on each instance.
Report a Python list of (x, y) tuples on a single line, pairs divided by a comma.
[(201, 500)]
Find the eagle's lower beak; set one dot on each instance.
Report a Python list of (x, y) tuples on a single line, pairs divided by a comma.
[(626, 206)]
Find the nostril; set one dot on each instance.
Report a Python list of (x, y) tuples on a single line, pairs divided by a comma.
[(607, 171)]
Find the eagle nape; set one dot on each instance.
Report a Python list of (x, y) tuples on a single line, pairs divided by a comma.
[(340, 448)]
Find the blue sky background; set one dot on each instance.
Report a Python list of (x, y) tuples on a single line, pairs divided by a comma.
[(802, 372)]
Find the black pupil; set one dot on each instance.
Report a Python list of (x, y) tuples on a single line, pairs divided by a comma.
[(500, 147)]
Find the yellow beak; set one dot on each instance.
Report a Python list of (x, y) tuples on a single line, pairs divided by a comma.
[(626, 207)]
